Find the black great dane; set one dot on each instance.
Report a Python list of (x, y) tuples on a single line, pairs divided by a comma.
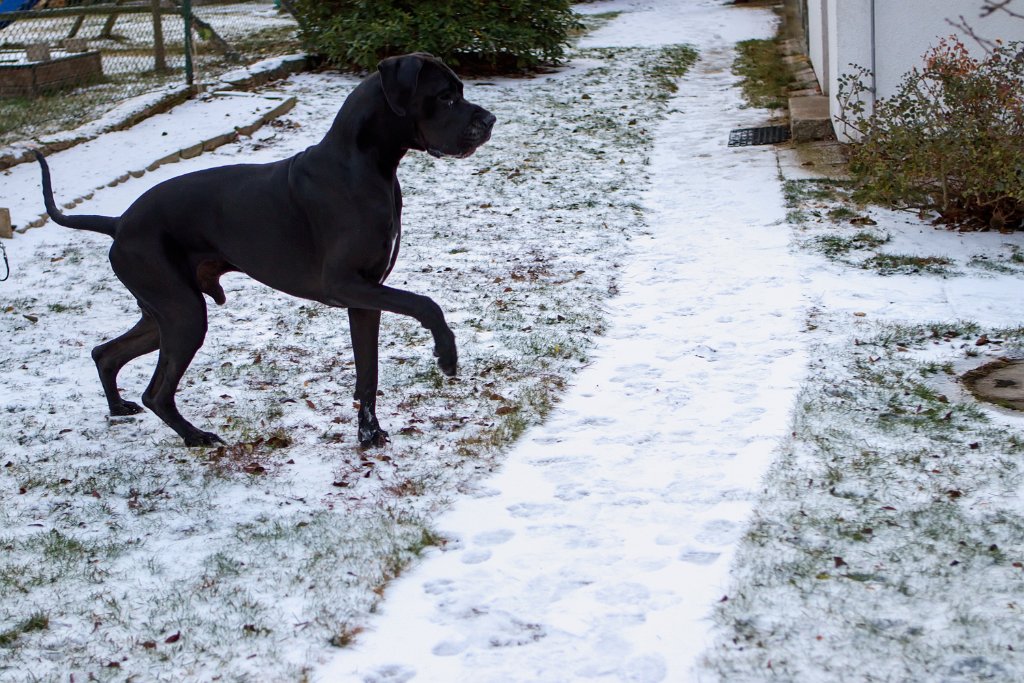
[(323, 225)]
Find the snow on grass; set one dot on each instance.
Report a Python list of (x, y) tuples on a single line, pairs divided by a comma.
[(889, 540), (887, 543), (131, 556)]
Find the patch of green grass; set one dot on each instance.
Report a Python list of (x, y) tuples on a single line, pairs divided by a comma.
[(799, 192), (592, 22), (64, 308), (37, 622), (841, 213), (765, 75), (672, 64), (893, 264), (838, 245)]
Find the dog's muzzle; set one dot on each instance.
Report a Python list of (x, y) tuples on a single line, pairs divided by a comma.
[(476, 133)]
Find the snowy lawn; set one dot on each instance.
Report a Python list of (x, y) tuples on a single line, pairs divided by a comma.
[(884, 543), (127, 555), (888, 544)]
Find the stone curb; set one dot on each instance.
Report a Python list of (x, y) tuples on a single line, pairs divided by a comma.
[(187, 153), (254, 76)]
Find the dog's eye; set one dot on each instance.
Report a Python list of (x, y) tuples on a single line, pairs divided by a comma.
[(447, 99)]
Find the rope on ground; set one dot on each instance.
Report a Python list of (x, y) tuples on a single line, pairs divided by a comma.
[(7, 265)]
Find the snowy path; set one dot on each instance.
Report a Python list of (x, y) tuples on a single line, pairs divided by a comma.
[(599, 549)]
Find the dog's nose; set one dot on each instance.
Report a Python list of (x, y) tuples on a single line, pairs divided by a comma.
[(488, 120)]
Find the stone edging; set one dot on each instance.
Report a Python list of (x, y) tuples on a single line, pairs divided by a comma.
[(145, 106)]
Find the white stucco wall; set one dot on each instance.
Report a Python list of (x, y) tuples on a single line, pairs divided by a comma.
[(816, 44), (891, 36)]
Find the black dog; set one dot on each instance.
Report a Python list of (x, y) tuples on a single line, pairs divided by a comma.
[(323, 225)]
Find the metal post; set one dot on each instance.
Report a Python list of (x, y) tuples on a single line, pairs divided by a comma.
[(159, 57), (186, 12)]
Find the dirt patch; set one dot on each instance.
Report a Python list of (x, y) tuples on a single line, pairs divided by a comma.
[(1000, 382)]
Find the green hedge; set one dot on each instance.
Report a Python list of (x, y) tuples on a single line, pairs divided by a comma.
[(476, 35)]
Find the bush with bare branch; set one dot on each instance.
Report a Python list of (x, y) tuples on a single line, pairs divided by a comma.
[(950, 140)]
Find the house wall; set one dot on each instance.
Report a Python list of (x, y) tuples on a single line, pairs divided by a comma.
[(891, 36), (817, 46)]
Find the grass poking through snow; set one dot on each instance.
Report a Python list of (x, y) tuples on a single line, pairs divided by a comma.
[(892, 524), (135, 558)]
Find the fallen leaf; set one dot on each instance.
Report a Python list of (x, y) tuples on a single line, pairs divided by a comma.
[(173, 638)]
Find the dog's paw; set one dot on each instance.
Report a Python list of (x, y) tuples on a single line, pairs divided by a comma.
[(447, 361), (125, 408), (203, 439), (373, 438)]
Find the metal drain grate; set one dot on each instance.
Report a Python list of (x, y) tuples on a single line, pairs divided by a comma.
[(769, 135)]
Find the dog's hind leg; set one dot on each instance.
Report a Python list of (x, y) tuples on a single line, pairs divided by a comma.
[(170, 295), (182, 331), (365, 329), (113, 355)]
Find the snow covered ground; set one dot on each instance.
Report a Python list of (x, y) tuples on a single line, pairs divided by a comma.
[(739, 459), (599, 549)]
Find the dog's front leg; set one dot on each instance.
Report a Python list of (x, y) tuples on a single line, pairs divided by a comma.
[(359, 293), (364, 325)]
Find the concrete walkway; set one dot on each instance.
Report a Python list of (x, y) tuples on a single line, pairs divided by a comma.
[(601, 547)]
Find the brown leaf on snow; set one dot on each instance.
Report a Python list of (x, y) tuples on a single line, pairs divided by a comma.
[(149, 644), (504, 410), (840, 562), (173, 638), (310, 404)]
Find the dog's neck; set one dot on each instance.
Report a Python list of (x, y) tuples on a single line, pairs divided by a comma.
[(367, 128)]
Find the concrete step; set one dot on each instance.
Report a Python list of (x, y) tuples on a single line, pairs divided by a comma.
[(810, 118)]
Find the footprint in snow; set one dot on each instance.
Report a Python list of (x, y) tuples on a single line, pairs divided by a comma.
[(718, 532), (391, 673), (496, 537), (449, 648), (701, 557), (476, 556), (644, 669)]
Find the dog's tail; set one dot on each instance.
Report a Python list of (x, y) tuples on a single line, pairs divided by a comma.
[(101, 224)]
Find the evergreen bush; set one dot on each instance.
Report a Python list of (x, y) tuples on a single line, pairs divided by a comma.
[(491, 36)]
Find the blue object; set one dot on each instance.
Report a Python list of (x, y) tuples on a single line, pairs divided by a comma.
[(14, 6)]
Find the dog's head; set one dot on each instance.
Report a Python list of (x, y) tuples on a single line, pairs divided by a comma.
[(421, 87)]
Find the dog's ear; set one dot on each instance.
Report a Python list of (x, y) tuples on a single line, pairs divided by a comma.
[(398, 77)]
